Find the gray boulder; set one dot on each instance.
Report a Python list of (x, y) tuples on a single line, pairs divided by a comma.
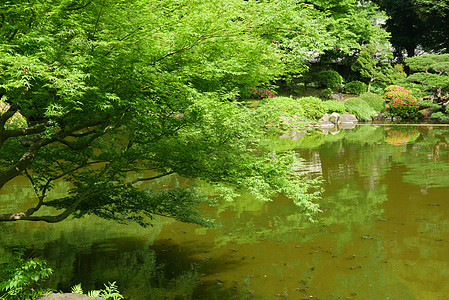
[(325, 117), (334, 118), (337, 96), (348, 118)]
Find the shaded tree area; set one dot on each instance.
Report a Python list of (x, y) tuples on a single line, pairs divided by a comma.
[(110, 95), (417, 24)]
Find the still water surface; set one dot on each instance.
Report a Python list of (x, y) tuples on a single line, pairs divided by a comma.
[(383, 232)]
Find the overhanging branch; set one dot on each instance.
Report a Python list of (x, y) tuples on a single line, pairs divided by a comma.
[(27, 216)]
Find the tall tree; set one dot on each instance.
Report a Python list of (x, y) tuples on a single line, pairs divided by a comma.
[(352, 25), (417, 23), (112, 94)]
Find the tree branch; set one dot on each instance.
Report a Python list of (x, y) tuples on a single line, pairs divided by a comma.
[(34, 147), (79, 7), (197, 42), (26, 216)]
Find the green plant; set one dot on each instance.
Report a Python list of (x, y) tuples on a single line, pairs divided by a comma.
[(314, 108), (20, 279), (356, 87), (335, 106), (271, 111), (401, 102), (375, 101), (110, 291), (360, 108), (328, 78), (326, 93)]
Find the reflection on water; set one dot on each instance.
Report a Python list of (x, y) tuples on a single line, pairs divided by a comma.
[(383, 233)]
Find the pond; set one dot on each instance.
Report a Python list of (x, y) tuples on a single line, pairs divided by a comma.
[(383, 232)]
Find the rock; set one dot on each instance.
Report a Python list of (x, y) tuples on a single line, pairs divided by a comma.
[(397, 119), (293, 135), (297, 135), (334, 118), (347, 125), (325, 124), (72, 296), (348, 118), (427, 112), (337, 96), (379, 117), (325, 117)]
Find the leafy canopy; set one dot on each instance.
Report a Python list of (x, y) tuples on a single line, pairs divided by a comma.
[(115, 94)]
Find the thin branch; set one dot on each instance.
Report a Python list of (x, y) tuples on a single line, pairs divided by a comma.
[(83, 146), (28, 157), (197, 42), (40, 197), (72, 208), (79, 7)]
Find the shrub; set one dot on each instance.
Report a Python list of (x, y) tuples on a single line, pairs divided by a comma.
[(401, 102), (377, 89), (375, 101), (329, 79), (360, 108), (326, 93), (22, 277), (439, 115), (314, 108), (271, 111), (356, 87), (335, 106)]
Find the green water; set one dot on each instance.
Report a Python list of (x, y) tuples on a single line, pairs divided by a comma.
[(383, 232)]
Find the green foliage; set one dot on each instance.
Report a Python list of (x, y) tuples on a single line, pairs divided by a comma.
[(21, 278), (356, 87), (279, 113), (375, 101), (328, 79), (335, 106), (432, 73), (414, 23), (371, 64), (326, 93), (314, 108), (110, 291), (117, 94), (360, 108), (401, 102), (351, 25)]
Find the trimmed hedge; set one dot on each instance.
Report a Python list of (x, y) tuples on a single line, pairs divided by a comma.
[(360, 108), (335, 106), (375, 101)]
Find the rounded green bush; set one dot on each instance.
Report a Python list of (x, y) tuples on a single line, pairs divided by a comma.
[(314, 108), (329, 79), (335, 106), (356, 87), (360, 108), (375, 101)]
